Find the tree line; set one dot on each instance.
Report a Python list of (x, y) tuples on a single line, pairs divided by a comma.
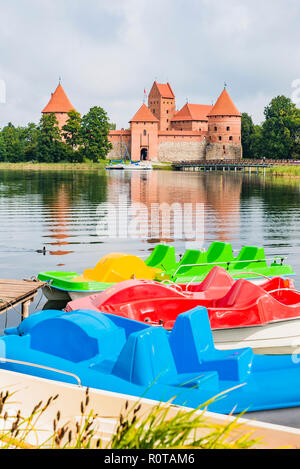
[(278, 137), (86, 138), (80, 139)]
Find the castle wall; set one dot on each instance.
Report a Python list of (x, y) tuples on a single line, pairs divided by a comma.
[(225, 129), (61, 117), (225, 151), (178, 147), (200, 126), (121, 143)]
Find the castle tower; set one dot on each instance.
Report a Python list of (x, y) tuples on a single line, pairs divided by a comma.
[(161, 102), (224, 130), (60, 105), (144, 135)]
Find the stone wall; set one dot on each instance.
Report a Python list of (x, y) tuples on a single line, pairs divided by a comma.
[(118, 150), (179, 151), (217, 151)]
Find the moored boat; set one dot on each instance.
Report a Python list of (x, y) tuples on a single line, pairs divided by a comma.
[(116, 354), (161, 265), (265, 318)]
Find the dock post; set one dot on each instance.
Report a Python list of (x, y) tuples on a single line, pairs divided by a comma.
[(25, 309)]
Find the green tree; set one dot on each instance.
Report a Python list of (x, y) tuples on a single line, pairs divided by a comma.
[(94, 134), (50, 147), (257, 143), (2, 148), (12, 143), (29, 137), (248, 130), (280, 128), (71, 131)]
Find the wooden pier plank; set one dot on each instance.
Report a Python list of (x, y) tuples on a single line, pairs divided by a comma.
[(15, 292)]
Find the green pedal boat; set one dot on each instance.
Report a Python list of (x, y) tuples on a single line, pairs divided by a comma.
[(161, 265), (194, 265)]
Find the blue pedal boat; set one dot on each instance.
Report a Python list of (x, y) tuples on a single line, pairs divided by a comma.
[(117, 354)]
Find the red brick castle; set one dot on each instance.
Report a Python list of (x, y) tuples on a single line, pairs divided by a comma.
[(159, 132)]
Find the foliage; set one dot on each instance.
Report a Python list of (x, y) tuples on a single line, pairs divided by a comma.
[(94, 134), (71, 133), (278, 137), (248, 130), (152, 430), (79, 140)]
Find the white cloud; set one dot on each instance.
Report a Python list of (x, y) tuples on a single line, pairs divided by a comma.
[(108, 52)]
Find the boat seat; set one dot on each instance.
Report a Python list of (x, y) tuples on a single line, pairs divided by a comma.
[(249, 253), (193, 348), (147, 358), (162, 257)]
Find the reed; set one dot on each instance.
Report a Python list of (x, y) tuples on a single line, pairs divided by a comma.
[(284, 170), (135, 430), (54, 166)]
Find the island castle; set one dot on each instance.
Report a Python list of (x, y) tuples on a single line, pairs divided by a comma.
[(159, 132)]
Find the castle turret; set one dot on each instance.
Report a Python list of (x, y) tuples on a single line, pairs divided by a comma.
[(60, 105), (161, 102), (144, 135), (224, 130)]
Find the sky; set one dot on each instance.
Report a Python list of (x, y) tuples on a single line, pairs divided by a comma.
[(108, 51)]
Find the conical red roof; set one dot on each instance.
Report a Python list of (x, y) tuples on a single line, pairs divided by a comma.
[(224, 106), (59, 102), (144, 115)]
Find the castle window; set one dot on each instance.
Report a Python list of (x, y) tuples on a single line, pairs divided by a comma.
[(167, 111), (227, 128), (153, 111), (220, 138), (230, 138), (216, 128), (145, 132)]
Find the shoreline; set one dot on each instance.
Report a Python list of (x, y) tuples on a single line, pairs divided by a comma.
[(291, 171), (53, 166)]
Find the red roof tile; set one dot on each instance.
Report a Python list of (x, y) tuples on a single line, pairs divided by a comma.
[(193, 112), (59, 102), (165, 90), (224, 106), (144, 115)]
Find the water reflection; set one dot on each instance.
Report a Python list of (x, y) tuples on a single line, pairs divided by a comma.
[(58, 210)]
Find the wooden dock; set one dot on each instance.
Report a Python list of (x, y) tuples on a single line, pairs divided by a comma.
[(18, 292)]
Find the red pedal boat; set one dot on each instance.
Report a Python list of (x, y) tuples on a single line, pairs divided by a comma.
[(265, 317)]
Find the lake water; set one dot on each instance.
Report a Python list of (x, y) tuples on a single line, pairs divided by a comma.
[(65, 212)]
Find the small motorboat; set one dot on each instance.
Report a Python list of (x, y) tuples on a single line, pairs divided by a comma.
[(264, 317), (114, 166), (139, 166), (116, 354)]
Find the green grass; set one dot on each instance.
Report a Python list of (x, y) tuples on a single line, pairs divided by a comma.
[(54, 166), (154, 429), (284, 170)]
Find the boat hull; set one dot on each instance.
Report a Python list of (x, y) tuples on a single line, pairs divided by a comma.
[(277, 338)]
